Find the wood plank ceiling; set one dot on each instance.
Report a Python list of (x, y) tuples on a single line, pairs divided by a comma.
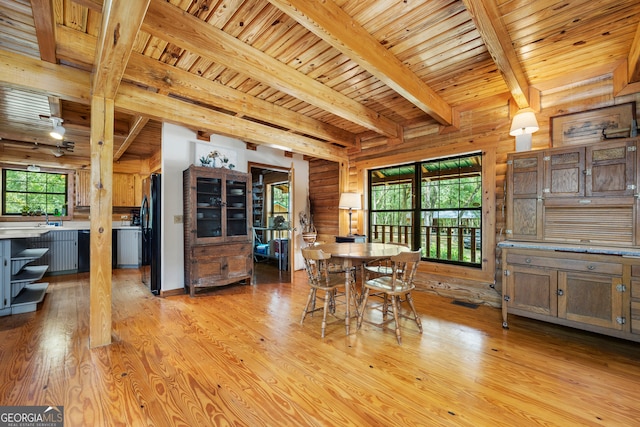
[(309, 76)]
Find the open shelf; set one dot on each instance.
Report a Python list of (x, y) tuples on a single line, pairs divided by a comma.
[(29, 274), (24, 257), (29, 298)]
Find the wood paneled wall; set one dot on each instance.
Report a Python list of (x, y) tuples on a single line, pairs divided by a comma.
[(324, 188), (485, 127)]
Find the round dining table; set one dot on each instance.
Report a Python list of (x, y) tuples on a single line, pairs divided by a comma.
[(352, 255)]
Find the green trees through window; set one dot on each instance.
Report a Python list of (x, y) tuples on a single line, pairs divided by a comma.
[(442, 214), (280, 199), (26, 192)]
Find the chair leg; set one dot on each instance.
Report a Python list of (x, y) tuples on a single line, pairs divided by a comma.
[(394, 307), (409, 299), (310, 302), (385, 306), (324, 312), (363, 305)]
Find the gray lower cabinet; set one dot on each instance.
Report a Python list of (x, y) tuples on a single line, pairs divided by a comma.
[(18, 273), (128, 248), (63, 250)]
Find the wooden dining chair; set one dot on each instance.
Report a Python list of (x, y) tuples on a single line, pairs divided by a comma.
[(394, 286), (323, 276), (381, 266)]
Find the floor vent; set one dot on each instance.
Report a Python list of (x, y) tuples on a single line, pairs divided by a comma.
[(465, 304)]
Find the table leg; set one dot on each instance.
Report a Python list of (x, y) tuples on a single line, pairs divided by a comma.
[(347, 294)]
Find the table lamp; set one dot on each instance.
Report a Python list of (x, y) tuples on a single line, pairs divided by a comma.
[(350, 201), (523, 125)]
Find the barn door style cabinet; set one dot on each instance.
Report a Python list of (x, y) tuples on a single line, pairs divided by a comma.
[(573, 251), (217, 232)]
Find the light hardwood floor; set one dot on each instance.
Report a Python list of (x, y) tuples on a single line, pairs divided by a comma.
[(239, 356)]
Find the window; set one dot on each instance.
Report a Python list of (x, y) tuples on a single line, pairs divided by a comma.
[(442, 215), (280, 199), (33, 192)]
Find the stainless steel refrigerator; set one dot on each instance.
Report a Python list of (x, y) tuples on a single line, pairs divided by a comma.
[(151, 238)]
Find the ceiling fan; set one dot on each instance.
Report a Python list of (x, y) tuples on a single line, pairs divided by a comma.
[(61, 148)]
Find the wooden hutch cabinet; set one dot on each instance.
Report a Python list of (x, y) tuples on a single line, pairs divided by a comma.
[(573, 254), (217, 232)]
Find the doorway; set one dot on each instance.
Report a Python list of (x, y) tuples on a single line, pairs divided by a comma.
[(272, 217)]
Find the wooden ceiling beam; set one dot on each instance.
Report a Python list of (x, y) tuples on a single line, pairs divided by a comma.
[(634, 59), (496, 37), (172, 24), (50, 79), (45, 29), (166, 78), (55, 106), (71, 84), (137, 124), (164, 108), (40, 156), (329, 22), (121, 22), (74, 45)]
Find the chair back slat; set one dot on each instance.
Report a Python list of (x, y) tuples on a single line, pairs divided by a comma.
[(405, 265), (317, 266)]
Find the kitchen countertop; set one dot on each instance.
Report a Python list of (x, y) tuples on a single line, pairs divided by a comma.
[(24, 230), (22, 233), (568, 247)]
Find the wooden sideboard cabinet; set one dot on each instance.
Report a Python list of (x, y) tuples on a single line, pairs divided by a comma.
[(567, 285), (635, 299), (573, 251), (217, 232)]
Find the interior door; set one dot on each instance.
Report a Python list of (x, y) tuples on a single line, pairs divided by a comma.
[(265, 231), (293, 241)]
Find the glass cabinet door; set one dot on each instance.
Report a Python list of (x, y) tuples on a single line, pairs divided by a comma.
[(236, 204), (209, 207)]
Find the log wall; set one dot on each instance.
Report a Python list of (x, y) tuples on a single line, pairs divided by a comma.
[(485, 127), (324, 177)]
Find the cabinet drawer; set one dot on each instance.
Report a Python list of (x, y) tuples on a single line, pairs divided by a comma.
[(223, 250), (566, 264), (635, 317), (635, 288)]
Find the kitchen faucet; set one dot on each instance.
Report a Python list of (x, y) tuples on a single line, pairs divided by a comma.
[(46, 218)]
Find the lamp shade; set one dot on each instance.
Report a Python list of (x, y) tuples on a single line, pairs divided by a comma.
[(350, 201), (524, 123)]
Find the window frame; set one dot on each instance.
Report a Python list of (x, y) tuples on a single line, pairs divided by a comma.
[(272, 187), (416, 211), (70, 193)]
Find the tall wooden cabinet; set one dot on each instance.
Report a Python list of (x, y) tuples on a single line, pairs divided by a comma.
[(568, 194), (573, 254), (217, 231)]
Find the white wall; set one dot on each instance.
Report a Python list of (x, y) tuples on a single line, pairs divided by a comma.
[(178, 153)]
